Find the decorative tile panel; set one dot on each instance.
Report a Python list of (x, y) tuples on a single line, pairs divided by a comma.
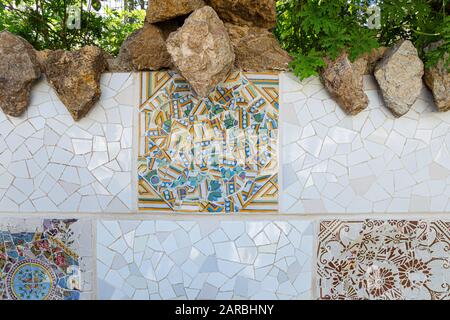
[(369, 163), (49, 163), (384, 260), (217, 154), (204, 259), (45, 259)]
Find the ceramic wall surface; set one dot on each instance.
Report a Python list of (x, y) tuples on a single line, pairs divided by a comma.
[(268, 172), (384, 260), (370, 163), (50, 163), (204, 259)]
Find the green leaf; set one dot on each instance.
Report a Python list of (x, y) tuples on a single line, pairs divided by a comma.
[(96, 5), (312, 29)]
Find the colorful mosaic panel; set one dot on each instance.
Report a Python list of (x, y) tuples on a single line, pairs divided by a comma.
[(384, 260), (217, 154), (44, 262)]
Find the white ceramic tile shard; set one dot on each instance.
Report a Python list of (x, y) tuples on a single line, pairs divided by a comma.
[(369, 163), (50, 163), (204, 259)]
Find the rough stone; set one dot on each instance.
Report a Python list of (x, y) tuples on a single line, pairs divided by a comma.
[(115, 65), (41, 57), (367, 62), (202, 51), (167, 27), (144, 49), (75, 76), (19, 69), (438, 80), (260, 13), (112, 63), (163, 10), (345, 84), (257, 49), (399, 75)]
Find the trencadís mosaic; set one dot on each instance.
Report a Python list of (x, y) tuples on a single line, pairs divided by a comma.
[(384, 260), (43, 262), (217, 154)]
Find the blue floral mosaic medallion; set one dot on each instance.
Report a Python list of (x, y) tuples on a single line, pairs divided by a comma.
[(40, 265), (31, 280)]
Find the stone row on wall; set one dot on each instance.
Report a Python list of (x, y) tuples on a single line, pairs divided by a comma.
[(204, 40), (399, 72)]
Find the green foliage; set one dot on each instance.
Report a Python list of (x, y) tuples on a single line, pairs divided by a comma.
[(314, 29), (311, 30), (306, 65), (433, 56), (115, 31), (421, 21), (43, 23)]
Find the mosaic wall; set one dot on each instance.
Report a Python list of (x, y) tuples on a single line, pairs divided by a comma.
[(204, 259), (369, 163), (49, 163), (217, 154), (45, 259), (384, 260), (220, 155)]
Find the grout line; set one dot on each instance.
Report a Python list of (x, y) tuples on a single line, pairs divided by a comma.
[(137, 84), (232, 217), (314, 280), (95, 287), (280, 139)]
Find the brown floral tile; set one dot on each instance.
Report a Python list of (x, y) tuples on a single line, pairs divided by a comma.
[(384, 260)]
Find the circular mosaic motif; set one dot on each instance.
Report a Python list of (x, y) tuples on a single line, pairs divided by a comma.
[(31, 280)]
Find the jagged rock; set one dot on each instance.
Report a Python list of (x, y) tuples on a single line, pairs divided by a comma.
[(438, 80), (202, 51), (345, 83), (41, 57), (19, 68), (366, 63), (163, 10), (144, 49), (115, 65), (399, 75), (261, 13), (167, 27), (75, 76), (257, 49)]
